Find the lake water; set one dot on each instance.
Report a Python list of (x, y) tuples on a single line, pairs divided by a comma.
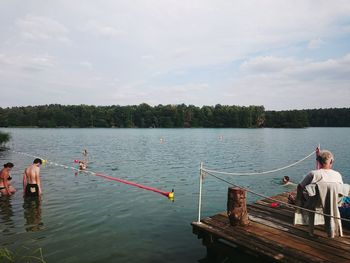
[(84, 218)]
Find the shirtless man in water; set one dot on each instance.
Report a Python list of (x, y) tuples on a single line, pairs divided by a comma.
[(31, 179)]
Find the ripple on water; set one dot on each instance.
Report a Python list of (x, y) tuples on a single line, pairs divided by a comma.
[(91, 219)]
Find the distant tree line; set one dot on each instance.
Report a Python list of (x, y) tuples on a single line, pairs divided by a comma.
[(333, 117), (169, 116)]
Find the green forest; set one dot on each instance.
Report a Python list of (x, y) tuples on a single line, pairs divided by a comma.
[(170, 116)]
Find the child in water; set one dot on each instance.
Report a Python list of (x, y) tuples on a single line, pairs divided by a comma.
[(286, 182), (82, 165), (285, 179)]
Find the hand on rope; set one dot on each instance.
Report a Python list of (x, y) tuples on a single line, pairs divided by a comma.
[(318, 165)]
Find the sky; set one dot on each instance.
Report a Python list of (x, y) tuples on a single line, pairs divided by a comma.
[(282, 54)]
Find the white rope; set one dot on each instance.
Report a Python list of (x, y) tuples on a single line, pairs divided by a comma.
[(275, 200), (257, 173), (54, 163)]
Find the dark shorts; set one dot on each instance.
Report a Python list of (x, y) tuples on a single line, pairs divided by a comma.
[(32, 190)]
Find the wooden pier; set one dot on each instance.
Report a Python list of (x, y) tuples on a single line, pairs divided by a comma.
[(269, 237)]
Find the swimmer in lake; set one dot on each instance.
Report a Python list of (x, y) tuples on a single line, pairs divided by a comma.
[(82, 165), (286, 181)]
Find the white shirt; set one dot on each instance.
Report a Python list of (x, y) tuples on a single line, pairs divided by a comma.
[(322, 175)]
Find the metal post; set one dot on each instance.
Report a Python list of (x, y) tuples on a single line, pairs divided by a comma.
[(200, 192)]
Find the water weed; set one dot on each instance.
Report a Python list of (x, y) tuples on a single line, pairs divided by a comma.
[(22, 255)]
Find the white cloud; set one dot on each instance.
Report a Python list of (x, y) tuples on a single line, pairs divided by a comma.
[(147, 57), (86, 64), (32, 63), (161, 94), (101, 30), (201, 33), (184, 88), (267, 64), (151, 46), (182, 52), (315, 43), (42, 28), (280, 83), (299, 68)]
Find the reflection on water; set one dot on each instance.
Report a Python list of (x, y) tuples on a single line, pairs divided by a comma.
[(32, 214), (115, 222), (6, 212)]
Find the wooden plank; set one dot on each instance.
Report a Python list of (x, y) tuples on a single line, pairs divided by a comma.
[(283, 214), (246, 236), (285, 237), (256, 245), (278, 213), (299, 229), (341, 242), (271, 233), (331, 248)]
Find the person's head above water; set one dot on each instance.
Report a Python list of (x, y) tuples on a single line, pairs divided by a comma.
[(82, 165), (8, 165), (38, 161), (285, 179)]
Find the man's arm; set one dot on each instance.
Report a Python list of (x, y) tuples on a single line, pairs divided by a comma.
[(299, 200), (37, 174), (307, 180), (4, 178), (318, 165), (24, 182)]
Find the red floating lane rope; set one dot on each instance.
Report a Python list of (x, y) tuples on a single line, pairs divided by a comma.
[(170, 195), (167, 194)]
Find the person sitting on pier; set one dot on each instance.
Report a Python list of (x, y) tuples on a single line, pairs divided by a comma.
[(319, 191), (325, 174)]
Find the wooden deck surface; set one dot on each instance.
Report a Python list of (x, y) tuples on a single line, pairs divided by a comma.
[(271, 236)]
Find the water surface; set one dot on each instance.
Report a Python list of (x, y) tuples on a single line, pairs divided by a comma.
[(84, 218)]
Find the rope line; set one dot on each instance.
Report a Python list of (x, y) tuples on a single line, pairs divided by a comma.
[(170, 195), (275, 200), (134, 184), (257, 173)]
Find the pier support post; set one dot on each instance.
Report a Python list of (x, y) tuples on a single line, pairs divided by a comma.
[(237, 207), (200, 192)]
